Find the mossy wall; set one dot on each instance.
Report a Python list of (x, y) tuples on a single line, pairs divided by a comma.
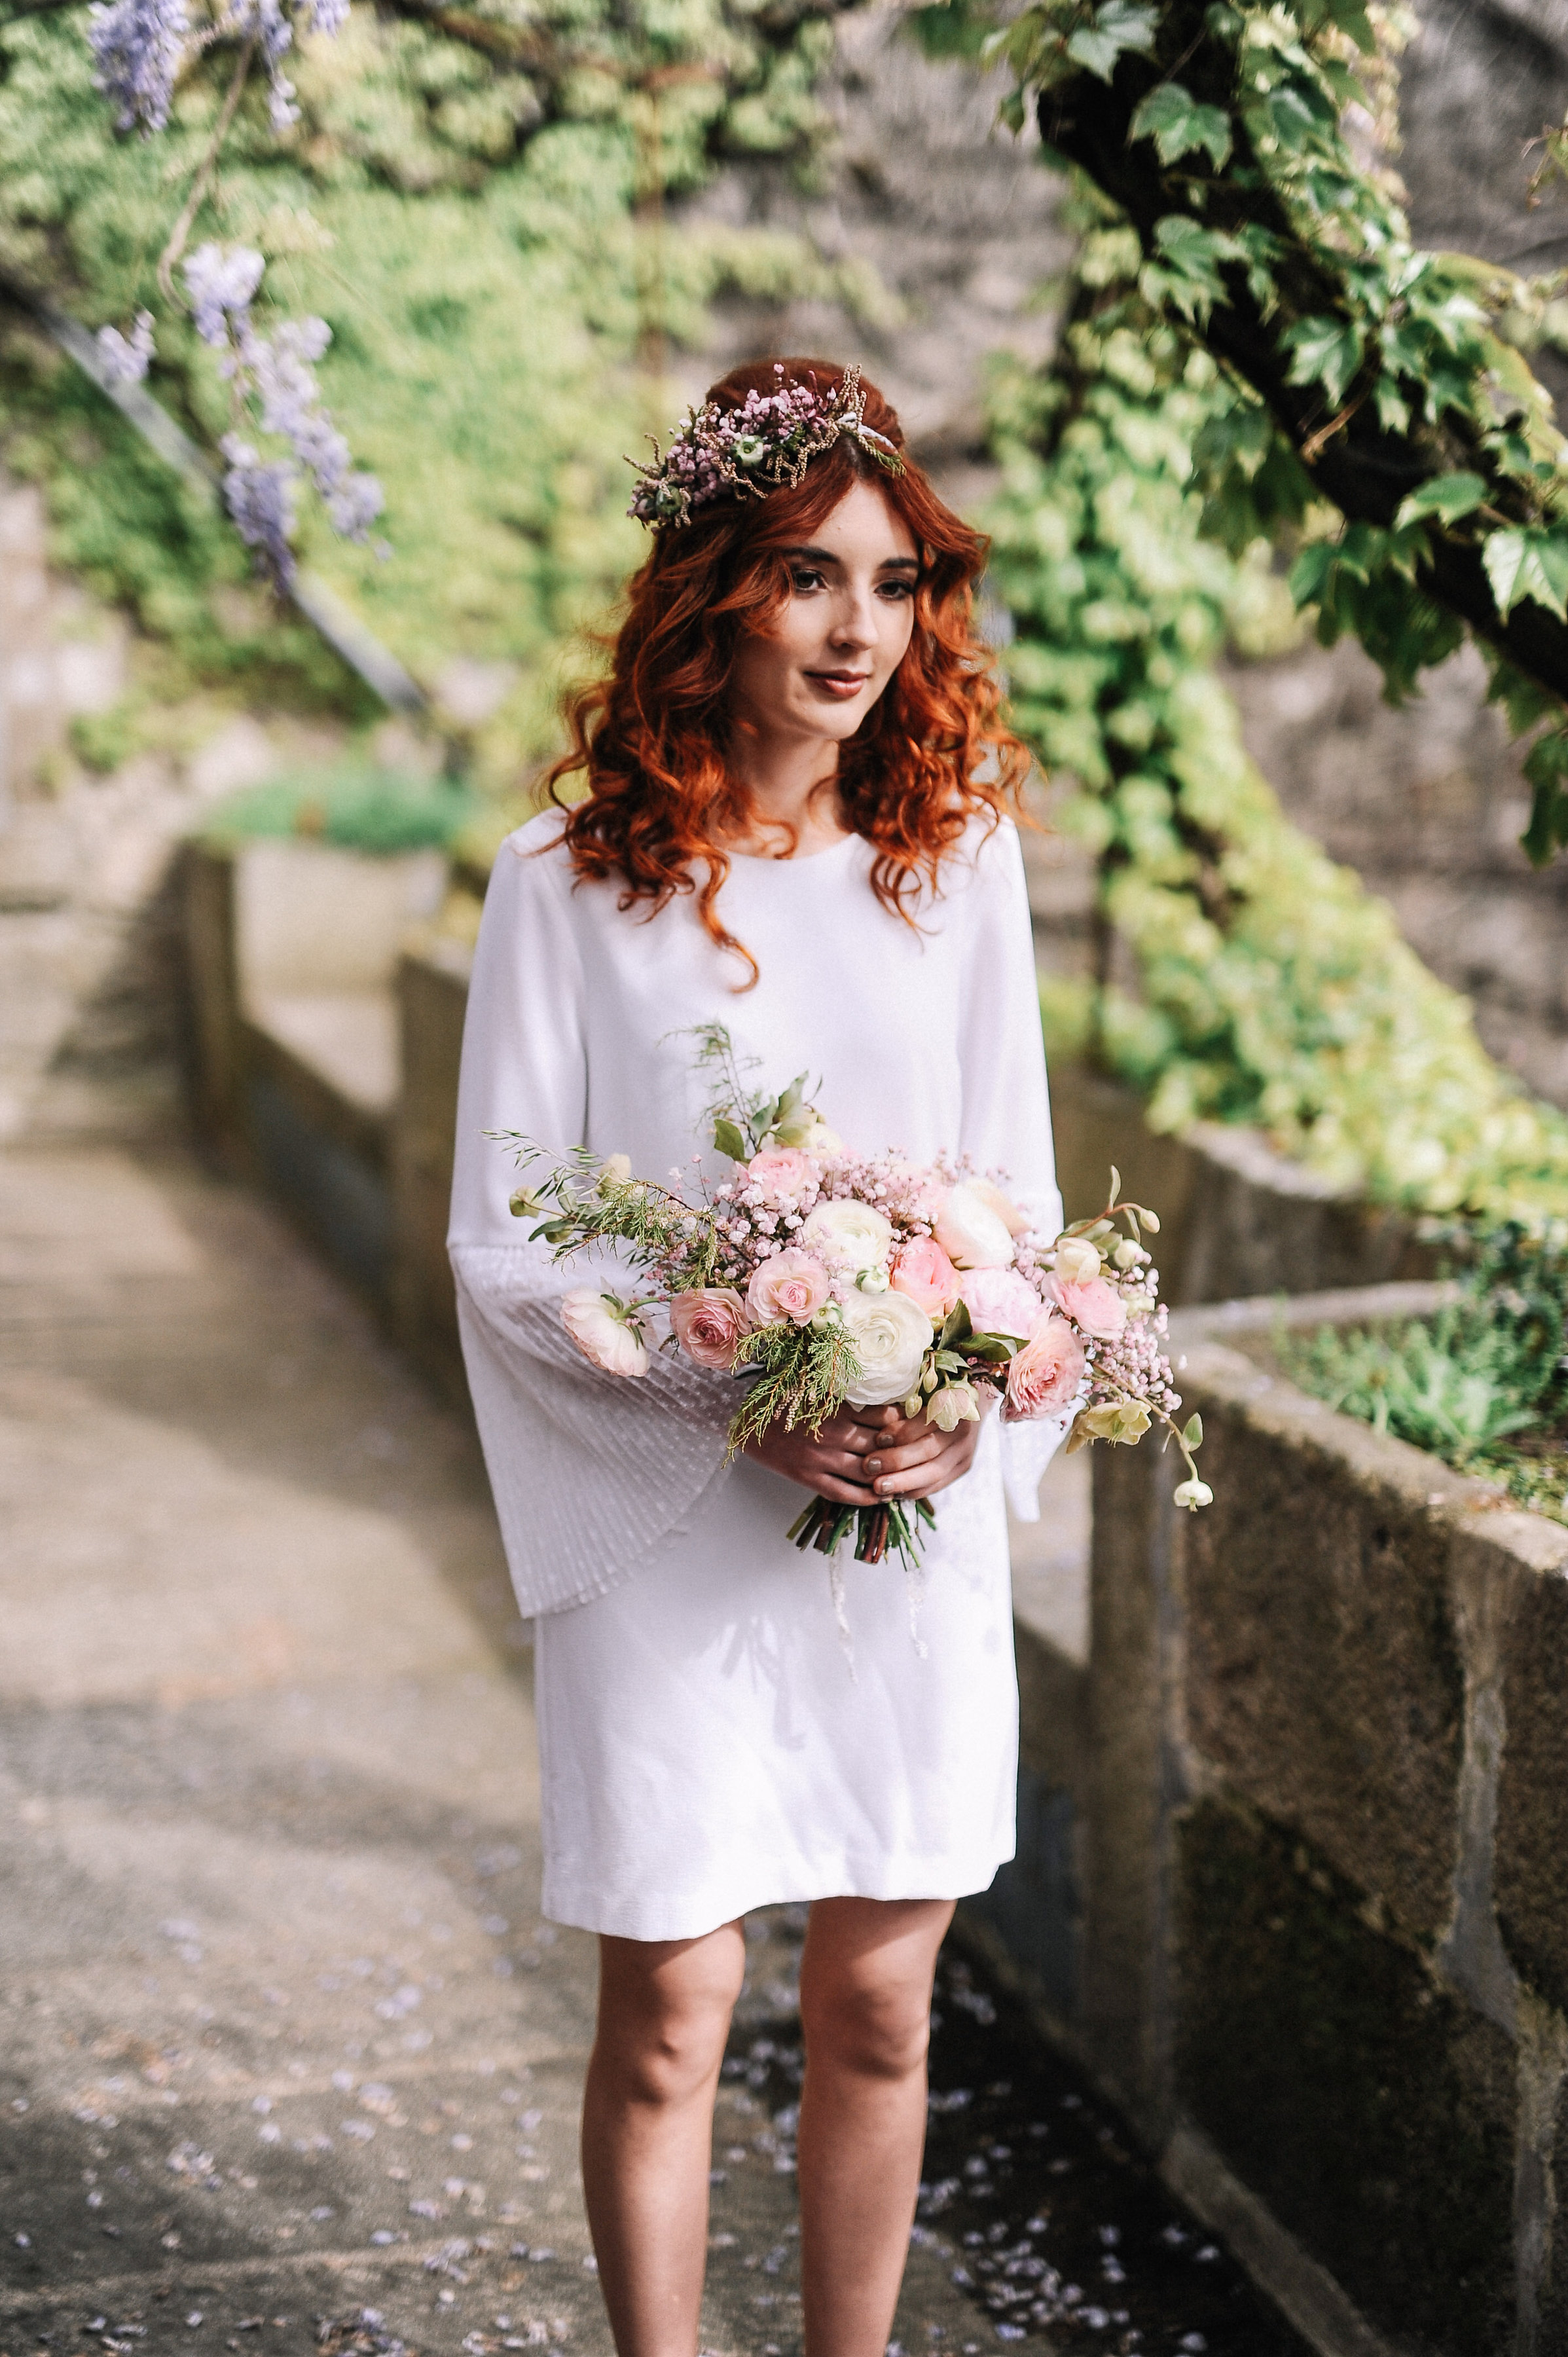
[(1372, 2112)]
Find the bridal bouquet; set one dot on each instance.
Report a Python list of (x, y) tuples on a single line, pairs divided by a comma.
[(829, 1279)]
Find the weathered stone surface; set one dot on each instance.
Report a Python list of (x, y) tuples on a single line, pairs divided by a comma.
[(1531, 1868), (1324, 1676), (1372, 2113)]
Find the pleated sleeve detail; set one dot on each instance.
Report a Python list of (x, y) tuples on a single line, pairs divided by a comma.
[(588, 1470)]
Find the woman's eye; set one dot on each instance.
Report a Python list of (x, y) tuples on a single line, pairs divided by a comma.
[(897, 590), (805, 581)]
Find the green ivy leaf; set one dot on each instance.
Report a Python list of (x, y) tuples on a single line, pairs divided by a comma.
[(1546, 765), (1532, 564), (1446, 496), (1327, 352), (1118, 24), (729, 1139), (1176, 124), (1309, 575)]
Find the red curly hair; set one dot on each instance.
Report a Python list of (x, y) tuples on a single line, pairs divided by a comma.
[(653, 736)]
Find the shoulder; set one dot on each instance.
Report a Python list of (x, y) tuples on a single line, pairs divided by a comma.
[(985, 866)]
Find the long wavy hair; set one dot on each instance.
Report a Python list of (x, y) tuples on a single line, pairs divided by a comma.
[(654, 735)]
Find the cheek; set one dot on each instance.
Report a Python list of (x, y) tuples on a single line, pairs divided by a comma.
[(897, 633)]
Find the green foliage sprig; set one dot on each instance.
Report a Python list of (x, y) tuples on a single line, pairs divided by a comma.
[(1358, 368)]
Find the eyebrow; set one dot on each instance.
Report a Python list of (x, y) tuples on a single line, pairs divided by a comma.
[(826, 556)]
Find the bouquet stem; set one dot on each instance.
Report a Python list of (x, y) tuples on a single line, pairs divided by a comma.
[(879, 1531)]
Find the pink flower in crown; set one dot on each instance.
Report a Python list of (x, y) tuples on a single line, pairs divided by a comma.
[(783, 1173), (793, 1284), (1000, 1301), (1044, 1376), (710, 1323), (1094, 1306), (924, 1271)]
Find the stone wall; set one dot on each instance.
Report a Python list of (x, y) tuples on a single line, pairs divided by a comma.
[(1308, 1786)]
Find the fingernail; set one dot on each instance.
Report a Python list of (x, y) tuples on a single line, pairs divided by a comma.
[(874, 1464)]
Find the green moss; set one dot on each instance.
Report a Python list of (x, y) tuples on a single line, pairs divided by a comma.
[(1370, 2111), (354, 805)]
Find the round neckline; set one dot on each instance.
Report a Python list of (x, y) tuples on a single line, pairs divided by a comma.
[(810, 859)]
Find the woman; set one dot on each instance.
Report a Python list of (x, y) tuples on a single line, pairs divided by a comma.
[(794, 824)]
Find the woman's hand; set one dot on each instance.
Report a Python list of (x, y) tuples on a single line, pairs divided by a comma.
[(862, 1456)]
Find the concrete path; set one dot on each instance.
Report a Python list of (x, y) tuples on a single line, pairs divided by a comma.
[(289, 2060)]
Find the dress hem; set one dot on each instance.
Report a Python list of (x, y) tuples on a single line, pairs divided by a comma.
[(895, 1880)]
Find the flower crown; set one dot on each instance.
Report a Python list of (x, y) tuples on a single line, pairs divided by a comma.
[(764, 445)]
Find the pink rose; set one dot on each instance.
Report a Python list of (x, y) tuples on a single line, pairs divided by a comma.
[(793, 1284), (783, 1174), (1044, 1376), (924, 1271), (1000, 1301), (1092, 1305), (709, 1324)]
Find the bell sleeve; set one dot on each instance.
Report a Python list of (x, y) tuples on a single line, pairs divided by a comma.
[(588, 1470), (1007, 1129)]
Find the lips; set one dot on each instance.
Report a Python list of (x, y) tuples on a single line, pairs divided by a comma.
[(841, 684)]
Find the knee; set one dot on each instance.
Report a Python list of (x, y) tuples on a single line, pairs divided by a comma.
[(876, 2029), (662, 2041)]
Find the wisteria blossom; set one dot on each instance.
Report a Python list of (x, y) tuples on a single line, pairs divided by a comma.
[(126, 359), (138, 47), (277, 373)]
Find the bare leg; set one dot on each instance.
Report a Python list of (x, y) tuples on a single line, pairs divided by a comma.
[(647, 2113), (865, 2005)]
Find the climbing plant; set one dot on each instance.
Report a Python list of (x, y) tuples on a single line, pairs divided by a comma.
[(1354, 369), (1269, 987), (471, 207)]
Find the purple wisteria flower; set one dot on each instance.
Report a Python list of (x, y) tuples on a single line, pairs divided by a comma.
[(259, 495), (126, 358), (138, 47), (221, 288)]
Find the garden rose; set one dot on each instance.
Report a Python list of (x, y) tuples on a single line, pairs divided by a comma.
[(1014, 1221), (970, 1231), (891, 1334), (600, 1330), (1076, 1260), (783, 1174), (709, 1323), (1096, 1306), (848, 1235), (1044, 1376), (821, 1139), (1000, 1301), (793, 1284), (924, 1271)]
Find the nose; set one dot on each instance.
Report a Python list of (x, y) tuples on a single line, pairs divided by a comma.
[(854, 622)]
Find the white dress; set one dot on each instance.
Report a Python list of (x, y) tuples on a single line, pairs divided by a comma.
[(706, 1746)]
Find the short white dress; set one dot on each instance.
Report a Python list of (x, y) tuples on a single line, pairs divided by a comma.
[(708, 1744)]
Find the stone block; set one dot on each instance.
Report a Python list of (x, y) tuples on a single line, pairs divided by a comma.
[(1372, 2112), (433, 993), (1531, 1852), (1324, 1681)]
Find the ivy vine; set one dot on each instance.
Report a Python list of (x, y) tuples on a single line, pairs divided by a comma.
[(1354, 368)]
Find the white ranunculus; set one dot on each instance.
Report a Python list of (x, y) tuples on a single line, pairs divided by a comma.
[(602, 1333), (970, 1234), (891, 1334), (849, 1235), (1077, 1260), (821, 1139)]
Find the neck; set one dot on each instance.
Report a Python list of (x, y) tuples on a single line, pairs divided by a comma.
[(794, 796)]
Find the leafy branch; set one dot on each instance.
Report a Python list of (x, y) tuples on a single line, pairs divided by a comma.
[(1359, 369)]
